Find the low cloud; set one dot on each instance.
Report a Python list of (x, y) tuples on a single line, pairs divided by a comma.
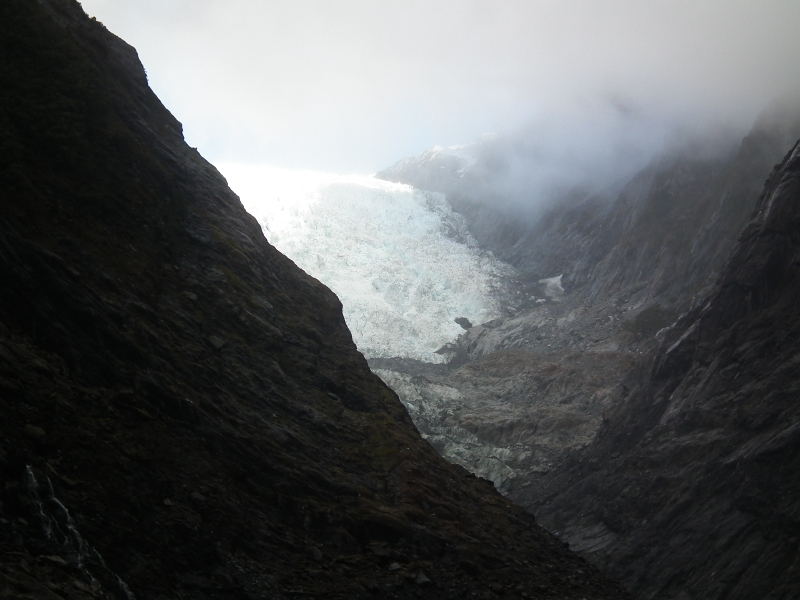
[(356, 85), (593, 147)]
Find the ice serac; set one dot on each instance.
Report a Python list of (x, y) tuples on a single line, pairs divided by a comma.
[(691, 488), (184, 412)]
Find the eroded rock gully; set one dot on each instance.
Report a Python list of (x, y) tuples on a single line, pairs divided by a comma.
[(184, 413)]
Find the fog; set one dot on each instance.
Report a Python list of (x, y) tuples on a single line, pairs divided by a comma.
[(590, 148), (595, 88)]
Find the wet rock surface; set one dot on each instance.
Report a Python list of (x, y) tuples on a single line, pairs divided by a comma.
[(185, 414)]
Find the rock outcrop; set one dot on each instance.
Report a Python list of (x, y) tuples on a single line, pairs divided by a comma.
[(598, 282), (691, 488), (185, 414), (679, 365), (510, 415)]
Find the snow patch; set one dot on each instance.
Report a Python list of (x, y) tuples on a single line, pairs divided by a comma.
[(552, 287)]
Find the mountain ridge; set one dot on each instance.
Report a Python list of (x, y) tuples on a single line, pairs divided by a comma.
[(634, 481), (185, 412)]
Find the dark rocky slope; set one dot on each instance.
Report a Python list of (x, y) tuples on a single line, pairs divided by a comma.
[(545, 374), (691, 488), (182, 401)]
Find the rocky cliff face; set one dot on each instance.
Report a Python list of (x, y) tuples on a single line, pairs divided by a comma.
[(513, 414), (185, 414), (676, 236), (628, 268), (690, 489), (669, 230)]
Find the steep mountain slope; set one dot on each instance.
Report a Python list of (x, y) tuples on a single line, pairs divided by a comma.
[(185, 414), (691, 488), (629, 268), (676, 241), (670, 229)]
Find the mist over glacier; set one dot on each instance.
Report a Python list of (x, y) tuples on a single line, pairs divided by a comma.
[(401, 261)]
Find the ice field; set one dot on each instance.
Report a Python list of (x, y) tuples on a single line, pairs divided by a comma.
[(402, 263)]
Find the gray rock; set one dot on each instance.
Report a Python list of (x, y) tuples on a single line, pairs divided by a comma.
[(217, 342), (35, 432), (379, 549), (464, 322), (684, 490)]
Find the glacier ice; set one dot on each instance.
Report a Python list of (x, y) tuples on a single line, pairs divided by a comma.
[(401, 261)]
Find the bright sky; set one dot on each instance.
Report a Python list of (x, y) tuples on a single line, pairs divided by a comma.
[(355, 85)]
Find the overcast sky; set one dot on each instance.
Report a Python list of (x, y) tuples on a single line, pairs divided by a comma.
[(355, 85)]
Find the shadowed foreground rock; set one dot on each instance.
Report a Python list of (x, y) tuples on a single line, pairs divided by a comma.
[(184, 413)]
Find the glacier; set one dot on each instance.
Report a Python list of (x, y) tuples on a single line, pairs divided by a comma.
[(400, 260)]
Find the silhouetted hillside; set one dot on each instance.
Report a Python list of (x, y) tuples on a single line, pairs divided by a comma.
[(184, 413)]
